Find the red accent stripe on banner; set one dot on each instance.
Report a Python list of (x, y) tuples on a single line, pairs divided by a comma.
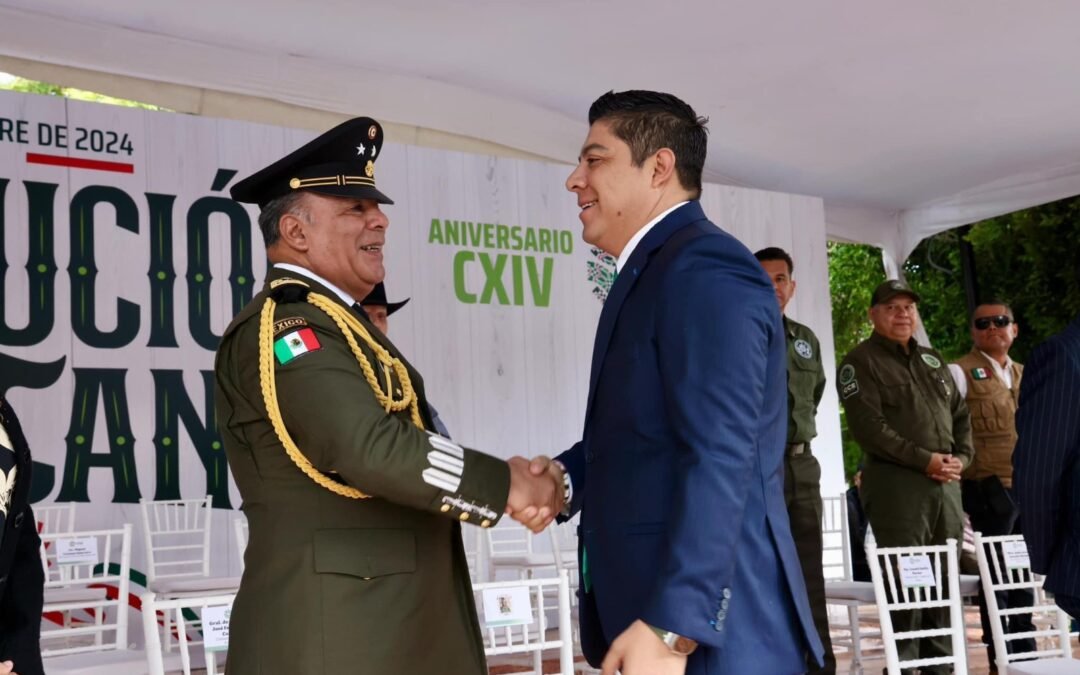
[(77, 163)]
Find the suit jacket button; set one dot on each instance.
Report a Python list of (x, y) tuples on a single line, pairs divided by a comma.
[(18, 519), (590, 456)]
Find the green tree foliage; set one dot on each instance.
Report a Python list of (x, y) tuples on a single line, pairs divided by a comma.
[(34, 87), (1029, 259)]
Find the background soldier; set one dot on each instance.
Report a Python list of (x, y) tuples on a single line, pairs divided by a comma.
[(354, 507), (802, 472), (912, 424), (990, 383)]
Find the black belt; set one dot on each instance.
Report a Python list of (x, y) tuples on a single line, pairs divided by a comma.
[(794, 449)]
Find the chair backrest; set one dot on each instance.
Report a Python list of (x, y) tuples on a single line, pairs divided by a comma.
[(1004, 566), (240, 529), (508, 539), (918, 577), (503, 605), (185, 616), (564, 544), (475, 553), (177, 538), (55, 517), (87, 587), (835, 540)]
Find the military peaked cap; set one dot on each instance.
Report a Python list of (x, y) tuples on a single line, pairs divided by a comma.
[(341, 162)]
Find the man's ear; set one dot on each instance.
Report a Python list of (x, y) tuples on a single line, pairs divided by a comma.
[(292, 231), (663, 168)]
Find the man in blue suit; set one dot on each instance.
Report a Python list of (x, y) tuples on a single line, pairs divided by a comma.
[(687, 561), (1046, 464)]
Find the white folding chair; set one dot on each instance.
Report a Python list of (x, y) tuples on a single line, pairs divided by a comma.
[(921, 587), (240, 530), (93, 596), (1004, 566), (186, 614), (506, 638), (510, 546), (54, 518), (177, 539), (841, 588)]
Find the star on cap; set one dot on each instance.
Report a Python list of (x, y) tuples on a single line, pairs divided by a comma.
[(360, 149)]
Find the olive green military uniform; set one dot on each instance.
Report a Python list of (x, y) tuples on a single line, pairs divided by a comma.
[(901, 407), (802, 472), (334, 585)]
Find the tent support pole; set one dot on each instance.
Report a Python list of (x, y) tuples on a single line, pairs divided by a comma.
[(967, 270)]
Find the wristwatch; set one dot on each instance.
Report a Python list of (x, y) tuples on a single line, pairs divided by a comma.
[(678, 644)]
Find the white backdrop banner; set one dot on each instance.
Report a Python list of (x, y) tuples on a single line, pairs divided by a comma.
[(124, 259)]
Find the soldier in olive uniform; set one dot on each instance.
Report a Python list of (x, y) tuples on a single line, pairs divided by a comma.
[(802, 472), (355, 562), (912, 424)]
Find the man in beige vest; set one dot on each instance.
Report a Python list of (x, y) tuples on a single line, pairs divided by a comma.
[(990, 382)]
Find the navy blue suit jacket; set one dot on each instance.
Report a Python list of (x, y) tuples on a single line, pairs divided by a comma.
[(679, 473), (1046, 461)]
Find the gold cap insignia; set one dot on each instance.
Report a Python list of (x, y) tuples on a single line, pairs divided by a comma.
[(372, 132), (369, 169), (294, 183)]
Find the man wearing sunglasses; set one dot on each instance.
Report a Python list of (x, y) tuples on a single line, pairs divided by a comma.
[(990, 382)]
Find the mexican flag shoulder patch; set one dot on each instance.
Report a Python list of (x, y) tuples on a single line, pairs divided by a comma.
[(295, 343), (979, 374)]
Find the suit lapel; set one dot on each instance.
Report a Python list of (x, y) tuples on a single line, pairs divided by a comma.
[(626, 279)]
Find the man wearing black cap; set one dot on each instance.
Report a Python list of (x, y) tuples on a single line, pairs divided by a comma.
[(355, 553), (904, 410), (379, 309)]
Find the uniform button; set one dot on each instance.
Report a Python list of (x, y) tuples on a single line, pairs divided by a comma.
[(590, 456), (724, 603), (463, 517), (726, 593), (721, 614), (485, 523), (444, 508)]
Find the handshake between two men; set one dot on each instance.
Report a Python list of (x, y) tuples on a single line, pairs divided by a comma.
[(537, 492)]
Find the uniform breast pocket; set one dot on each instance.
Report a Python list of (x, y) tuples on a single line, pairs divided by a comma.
[(365, 553), (896, 395)]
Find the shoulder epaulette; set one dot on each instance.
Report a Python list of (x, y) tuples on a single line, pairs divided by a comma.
[(287, 290)]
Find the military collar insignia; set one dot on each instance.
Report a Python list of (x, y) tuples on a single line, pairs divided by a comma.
[(931, 360), (979, 374), (803, 349)]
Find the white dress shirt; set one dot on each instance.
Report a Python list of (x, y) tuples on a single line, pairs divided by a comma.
[(639, 235), (345, 297)]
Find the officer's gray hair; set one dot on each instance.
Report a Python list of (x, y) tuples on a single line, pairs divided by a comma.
[(271, 214)]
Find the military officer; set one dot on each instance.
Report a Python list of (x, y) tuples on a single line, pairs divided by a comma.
[(355, 562), (912, 424), (802, 473)]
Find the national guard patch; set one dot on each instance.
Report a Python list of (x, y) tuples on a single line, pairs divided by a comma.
[(803, 348), (850, 389), (847, 374), (931, 360), (294, 344), (979, 374)]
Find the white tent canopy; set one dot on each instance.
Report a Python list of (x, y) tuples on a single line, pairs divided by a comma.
[(907, 118)]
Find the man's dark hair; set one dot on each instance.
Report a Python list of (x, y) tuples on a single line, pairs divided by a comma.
[(994, 301), (776, 253), (650, 120), (274, 209)]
